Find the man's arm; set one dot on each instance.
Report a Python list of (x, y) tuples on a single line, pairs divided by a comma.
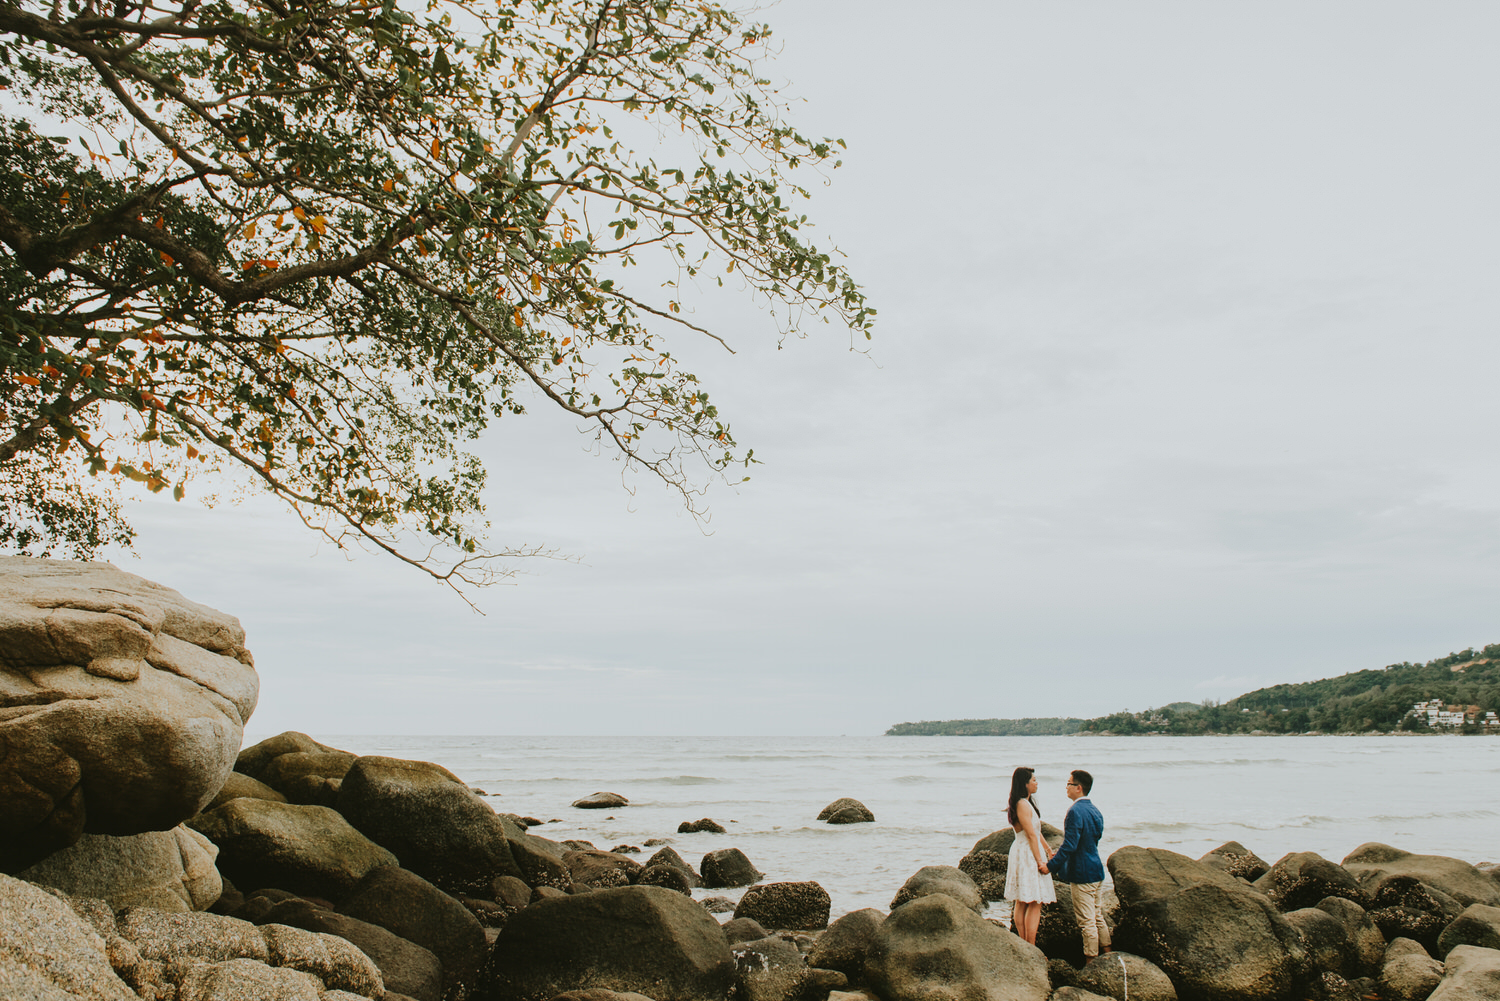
[(1072, 830)]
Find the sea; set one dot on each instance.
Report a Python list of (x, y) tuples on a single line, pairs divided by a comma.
[(934, 797)]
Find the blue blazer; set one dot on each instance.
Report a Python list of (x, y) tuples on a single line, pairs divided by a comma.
[(1077, 860)]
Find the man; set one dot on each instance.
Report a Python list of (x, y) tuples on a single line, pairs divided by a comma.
[(1077, 862)]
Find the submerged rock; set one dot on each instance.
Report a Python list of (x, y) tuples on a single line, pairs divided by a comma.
[(846, 811)]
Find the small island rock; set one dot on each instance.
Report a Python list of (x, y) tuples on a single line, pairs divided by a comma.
[(846, 811), (601, 801)]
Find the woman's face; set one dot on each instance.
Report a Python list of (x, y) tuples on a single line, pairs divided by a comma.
[(1031, 786)]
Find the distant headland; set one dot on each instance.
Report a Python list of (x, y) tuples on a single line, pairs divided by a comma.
[(1459, 693)]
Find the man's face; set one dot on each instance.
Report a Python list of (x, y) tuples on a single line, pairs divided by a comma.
[(1075, 791)]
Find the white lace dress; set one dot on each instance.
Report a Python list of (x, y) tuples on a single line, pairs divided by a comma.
[(1022, 882)]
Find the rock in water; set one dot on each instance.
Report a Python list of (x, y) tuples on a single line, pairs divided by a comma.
[(728, 867), (1216, 938), (846, 811), (127, 705), (705, 826), (168, 870), (601, 801), (1236, 860), (431, 822), (786, 906), (633, 938), (935, 948)]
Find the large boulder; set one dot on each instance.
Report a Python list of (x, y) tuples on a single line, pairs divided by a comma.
[(728, 867), (308, 776), (1326, 940), (1373, 864), (309, 850), (1405, 907), (669, 856), (846, 943), (601, 870), (632, 938), (427, 817), (936, 949), (1057, 932), (772, 969), (944, 879), (1301, 879), (786, 906), (1366, 942), (1216, 938), (239, 785), (49, 953), (127, 703), (406, 968), (1408, 973), (1470, 974), (405, 904), (538, 864), (1120, 975), (988, 870), (256, 759), (168, 870), (1479, 925), (846, 810), (1234, 859)]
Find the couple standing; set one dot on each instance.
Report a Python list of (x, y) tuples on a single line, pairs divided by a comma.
[(1029, 874)]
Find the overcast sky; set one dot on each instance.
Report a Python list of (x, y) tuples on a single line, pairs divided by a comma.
[(1184, 384)]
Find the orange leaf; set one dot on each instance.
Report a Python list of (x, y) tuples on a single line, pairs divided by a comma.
[(319, 225), (389, 185), (29, 380), (161, 221), (249, 231), (536, 282), (167, 257), (299, 212), (566, 341), (192, 453), (437, 148)]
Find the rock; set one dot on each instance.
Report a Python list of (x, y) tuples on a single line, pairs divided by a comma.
[(169, 870), (718, 905), (1409, 975), (1405, 907), (738, 929), (1234, 859), (770, 969), (425, 816), (537, 865), (1110, 974), (1471, 973), (1301, 879), (633, 938), (600, 870), (510, 892), (668, 876), (728, 867), (668, 856), (253, 760), (599, 994), (488, 913), (846, 943), (240, 785), (1478, 925), (1373, 864), (1405, 947), (405, 967), (792, 906), (547, 893), (244, 979), (936, 948), (940, 879), (332, 959), (405, 904), (309, 850), (1075, 994), (1366, 943), (987, 869), (126, 702), (1326, 940), (849, 811), (1217, 939), (1057, 933), (1000, 841), (625, 850), (47, 952), (165, 936), (704, 826), (602, 801)]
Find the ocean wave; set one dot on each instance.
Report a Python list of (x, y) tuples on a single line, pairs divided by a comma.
[(682, 780), (1124, 766)]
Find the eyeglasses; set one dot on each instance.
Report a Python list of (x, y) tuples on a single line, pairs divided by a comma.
[(1072, 784)]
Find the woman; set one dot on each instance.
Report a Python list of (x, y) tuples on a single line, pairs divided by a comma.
[(1027, 884)]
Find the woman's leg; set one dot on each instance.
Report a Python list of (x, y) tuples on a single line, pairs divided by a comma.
[(1028, 917)]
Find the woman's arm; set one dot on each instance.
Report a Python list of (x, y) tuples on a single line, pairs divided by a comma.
[(1029, 827)]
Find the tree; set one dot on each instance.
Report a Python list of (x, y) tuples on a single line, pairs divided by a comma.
[(324, 242)]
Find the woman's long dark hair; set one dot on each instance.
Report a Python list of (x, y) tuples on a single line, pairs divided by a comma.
[(1018, 781)]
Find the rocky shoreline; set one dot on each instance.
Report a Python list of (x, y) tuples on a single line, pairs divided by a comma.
[(145, 857)]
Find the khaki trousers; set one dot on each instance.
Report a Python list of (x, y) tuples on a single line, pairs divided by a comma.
[(1090, 917)]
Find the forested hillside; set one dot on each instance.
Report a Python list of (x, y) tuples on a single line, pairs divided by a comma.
[(1350, 703)]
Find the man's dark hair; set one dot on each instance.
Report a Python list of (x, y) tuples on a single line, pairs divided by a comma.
[(1084, 779)]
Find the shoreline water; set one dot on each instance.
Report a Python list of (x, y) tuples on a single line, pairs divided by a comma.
[(934, 799)]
